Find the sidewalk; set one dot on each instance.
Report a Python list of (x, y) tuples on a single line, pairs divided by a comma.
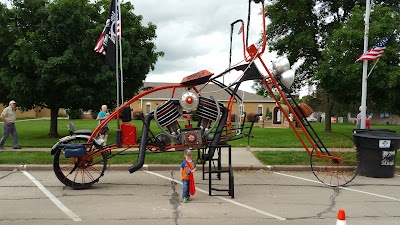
[(242, 159)]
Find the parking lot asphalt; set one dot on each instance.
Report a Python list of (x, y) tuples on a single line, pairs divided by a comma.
[(264, 194), (153, 197)]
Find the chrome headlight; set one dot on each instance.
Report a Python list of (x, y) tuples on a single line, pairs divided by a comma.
[(287, 78), (280, 66), (282, 72)]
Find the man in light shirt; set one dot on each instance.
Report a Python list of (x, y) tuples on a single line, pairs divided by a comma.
[(8, 117)]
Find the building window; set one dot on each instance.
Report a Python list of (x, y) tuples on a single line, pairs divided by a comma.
[(148, 107), (260, 109), (384, 115)]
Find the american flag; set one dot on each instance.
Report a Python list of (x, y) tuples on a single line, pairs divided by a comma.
[(118, 21), (376, 51), (112, 31)]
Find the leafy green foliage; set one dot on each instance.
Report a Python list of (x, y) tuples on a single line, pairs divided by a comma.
[(324, 38), (294, 32), (50, 61), (340, 76), (300, 29)]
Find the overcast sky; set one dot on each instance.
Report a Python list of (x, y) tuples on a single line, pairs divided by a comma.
[(195, 35)]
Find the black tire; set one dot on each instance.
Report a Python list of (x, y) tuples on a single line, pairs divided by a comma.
[(86, 174)]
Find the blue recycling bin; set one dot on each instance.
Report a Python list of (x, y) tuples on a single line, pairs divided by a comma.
[(377, 151)]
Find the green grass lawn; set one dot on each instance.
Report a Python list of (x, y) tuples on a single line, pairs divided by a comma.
[(34, 133), (291, 157)]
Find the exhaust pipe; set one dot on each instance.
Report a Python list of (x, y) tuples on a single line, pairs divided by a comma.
[(217, 134), (143, 144)]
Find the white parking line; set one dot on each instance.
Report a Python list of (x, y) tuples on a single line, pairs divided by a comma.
[(222, 198), (349, 189), (59, 204)]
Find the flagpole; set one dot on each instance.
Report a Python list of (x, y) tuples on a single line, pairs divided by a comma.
[(120, 51), (116, 55), (122, 74), (365, 67)]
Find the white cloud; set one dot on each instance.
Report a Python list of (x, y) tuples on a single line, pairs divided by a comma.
[(195, 35)]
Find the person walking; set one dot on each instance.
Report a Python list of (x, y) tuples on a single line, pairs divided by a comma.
[(8, 116), (358, 121), (102, 115)]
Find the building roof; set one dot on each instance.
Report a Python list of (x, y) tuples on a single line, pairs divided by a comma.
[(210, 90)]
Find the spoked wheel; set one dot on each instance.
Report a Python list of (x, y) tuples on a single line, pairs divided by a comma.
[(338, 167), (78, 173)]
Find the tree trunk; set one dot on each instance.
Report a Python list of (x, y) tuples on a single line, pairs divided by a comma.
[(328, 114), (53, 122)]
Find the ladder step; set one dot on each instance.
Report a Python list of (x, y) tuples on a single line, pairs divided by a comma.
[(219, 171), (217, 189)]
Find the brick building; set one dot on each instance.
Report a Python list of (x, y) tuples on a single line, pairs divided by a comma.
[(37, 112)]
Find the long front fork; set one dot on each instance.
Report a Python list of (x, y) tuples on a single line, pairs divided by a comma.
[(270, 81)]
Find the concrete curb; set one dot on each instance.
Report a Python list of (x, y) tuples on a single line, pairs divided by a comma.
[(155, 167), (161, 167)]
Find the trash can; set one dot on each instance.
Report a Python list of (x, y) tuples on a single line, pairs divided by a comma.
[(376, 152)]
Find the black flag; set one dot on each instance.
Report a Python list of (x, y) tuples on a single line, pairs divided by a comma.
[(107, 40)]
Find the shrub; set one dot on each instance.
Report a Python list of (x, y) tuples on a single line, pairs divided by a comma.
[(137, 115), (93, 114), (62, 115), (74, 113), (251, 117), (268, 114)]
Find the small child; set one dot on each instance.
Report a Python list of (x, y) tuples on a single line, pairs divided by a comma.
[(368, 123), (188, 166)]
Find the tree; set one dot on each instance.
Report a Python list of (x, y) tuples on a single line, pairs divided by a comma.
[(52, 62), (5, 37), (300, 31), (341, 77), (260, 90), (321, 101)]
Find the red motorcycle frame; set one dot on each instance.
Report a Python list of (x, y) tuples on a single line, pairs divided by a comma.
[(80, 160)]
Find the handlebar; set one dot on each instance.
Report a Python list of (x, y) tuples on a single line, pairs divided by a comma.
[(252, 50)]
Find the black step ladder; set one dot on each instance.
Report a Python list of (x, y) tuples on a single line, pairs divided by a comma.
[(218, 170)]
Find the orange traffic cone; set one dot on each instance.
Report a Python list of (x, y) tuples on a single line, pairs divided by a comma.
[(341, 217)]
